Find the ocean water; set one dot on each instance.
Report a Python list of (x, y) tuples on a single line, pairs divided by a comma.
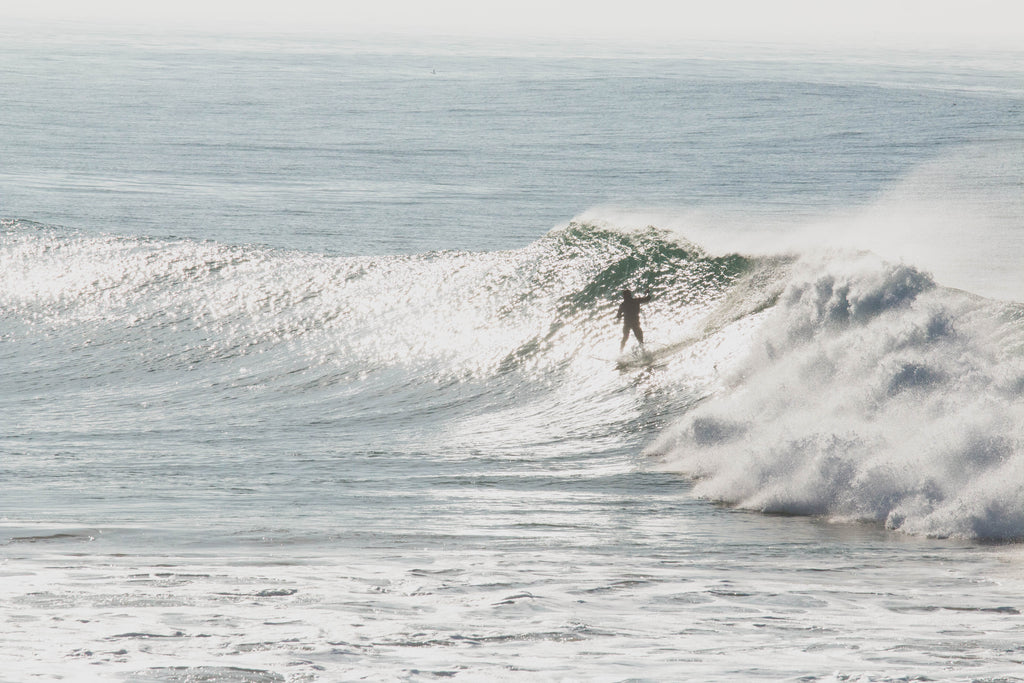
[(309, 368)]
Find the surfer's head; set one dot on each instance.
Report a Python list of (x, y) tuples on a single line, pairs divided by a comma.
[(626, 294)]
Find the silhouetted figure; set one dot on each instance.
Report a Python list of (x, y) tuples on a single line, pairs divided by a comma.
[(629, 311)]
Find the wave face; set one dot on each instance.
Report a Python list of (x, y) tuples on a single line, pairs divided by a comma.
[(819, 384), (190, 338)]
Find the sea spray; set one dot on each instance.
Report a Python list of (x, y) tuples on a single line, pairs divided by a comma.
[(870, 393)]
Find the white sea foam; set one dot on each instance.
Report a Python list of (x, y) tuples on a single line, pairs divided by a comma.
[(870, 394)]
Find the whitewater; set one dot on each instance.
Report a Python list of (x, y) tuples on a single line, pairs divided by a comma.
[(309, 367)]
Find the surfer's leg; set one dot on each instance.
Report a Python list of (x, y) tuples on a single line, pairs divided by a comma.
[(625, 336), (639, 333)]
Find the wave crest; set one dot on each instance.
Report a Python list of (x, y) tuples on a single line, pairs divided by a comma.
[(854, 294)]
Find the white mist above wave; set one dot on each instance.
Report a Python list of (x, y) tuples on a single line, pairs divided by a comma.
[(871, 394), (958, 216)]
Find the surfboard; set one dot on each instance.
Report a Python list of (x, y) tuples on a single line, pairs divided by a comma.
[(652, 355), (642, 356)]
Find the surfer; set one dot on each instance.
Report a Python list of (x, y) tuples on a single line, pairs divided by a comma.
[(629, 312)]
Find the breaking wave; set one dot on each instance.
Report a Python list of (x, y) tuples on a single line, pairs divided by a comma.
[(869, 393), (822, 383)]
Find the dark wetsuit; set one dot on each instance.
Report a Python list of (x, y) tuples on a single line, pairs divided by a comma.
[(629, 311)]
